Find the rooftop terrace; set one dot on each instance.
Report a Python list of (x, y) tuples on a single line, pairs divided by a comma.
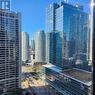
[(79, 75)]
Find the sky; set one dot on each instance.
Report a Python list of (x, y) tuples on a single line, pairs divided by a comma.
[(34, 13)]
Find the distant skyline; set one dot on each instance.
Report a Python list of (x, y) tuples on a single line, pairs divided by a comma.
[(34, 12)]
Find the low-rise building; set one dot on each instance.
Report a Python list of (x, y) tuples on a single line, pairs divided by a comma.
[(71, 81)]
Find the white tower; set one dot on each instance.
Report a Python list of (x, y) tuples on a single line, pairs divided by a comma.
[(25, 47), (40, 46)]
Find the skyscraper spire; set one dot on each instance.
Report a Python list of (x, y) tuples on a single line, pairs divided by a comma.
[(5, 4)]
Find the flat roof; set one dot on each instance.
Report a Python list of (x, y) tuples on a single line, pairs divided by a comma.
[(76, 74), (53, 67), (79, 75)]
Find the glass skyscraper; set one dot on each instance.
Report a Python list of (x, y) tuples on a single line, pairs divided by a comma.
[(50, 46), (72, 21), (50, 17), (67, 47), (56, 49)]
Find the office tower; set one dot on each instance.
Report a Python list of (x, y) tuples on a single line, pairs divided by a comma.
[(72, 20), (56, 48), (50, 47), (25, 47), (10, 50), (40, 46), (61, 48), (33, 45), (50, 17), (67, 42)]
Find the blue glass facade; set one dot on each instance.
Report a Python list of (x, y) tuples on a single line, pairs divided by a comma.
[(50, 17), (67, 48), (56, 47), (59, 50), (72, 21), (59, 19), (50, 47)]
